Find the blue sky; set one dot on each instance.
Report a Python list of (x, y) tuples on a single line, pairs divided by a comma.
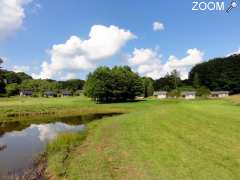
[(203, 34)]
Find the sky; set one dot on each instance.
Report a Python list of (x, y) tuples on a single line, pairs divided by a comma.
[(68, 39)]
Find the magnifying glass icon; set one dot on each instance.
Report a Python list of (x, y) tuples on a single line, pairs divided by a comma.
[(232, 5)]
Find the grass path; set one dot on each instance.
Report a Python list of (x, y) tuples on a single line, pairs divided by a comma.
[(158, 140)]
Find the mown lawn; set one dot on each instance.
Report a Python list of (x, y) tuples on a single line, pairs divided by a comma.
[(172, 139), (25, 108)]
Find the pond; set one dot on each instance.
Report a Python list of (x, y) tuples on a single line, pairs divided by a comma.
[(21, 143)]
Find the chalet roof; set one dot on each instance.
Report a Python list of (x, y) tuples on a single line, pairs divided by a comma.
[(156, 93), (66, 92), (26, 92), (219, 92), (188, 93), (48, 93)]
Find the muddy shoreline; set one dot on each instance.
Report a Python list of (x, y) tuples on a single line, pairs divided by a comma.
[(36, 172)]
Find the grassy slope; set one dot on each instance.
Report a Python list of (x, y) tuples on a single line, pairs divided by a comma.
[(69, 106), (159, 140)]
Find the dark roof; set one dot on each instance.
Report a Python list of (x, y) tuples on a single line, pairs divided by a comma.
[(48, 93), (29, 92), (65, 92), (219, 92), (156, 93), (188, 93)]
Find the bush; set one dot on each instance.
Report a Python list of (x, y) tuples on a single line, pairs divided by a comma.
[(111, 85), (12, 89), (203, 91), (174, 93)]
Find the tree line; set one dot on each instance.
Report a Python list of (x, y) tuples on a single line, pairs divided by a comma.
[(12, 83), (120, 83), (218, 74)]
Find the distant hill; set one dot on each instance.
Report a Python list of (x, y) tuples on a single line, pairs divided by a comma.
[(219, 74), (11, 77)]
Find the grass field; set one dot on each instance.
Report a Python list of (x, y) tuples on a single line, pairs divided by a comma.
[(171, 139), (21, 107)]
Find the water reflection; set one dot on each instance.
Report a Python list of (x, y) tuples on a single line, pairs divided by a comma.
[(44, 132), (23, 146), (20, 142)]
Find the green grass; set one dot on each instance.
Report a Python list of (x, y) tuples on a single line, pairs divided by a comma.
[(21, 108), (158, 140), (171, 139)]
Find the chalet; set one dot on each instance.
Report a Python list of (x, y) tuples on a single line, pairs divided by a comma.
[(48, 94), (66, 93), (78, 92), (139, 98), (189, 94), (219, 94), (26, 93), (160, 94)]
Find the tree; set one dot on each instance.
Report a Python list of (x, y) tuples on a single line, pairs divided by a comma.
[(12, 89), (2, 84), (1, 61), (2, 87), (196, 82), (23, 76), (11, 77), (203, 91), (39, 85), (169, 82), (148, 86), (219, 74), (175, 77), (73, 84), (110, 85)]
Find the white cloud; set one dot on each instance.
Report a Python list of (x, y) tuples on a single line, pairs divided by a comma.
[(147, 62), (50, 131), (69, 76), (11, 15), (21, 68), (45, 132), (184, 65), (77, 54), (141, 56), (158, 26), (234, 52)]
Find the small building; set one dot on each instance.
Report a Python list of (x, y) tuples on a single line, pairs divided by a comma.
[(189, 94), (78, 92), (160, 94), (5, 81), (26, 93), (139, 97), (219, 94), (48, 94), (66, 93)]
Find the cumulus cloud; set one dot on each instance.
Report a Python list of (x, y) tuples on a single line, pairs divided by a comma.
[(69, 76), (78, 54), (147, 62), (11, 15), (50, 131), (234, 52), (18, 69), (45, 132), (158, 26)]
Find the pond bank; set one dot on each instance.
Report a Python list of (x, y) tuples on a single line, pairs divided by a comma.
[(24, 140)]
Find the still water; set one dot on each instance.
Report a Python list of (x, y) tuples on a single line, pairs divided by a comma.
[(20, 145)]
